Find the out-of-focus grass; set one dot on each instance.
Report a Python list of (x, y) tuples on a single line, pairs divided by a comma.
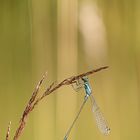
[(48, 35)]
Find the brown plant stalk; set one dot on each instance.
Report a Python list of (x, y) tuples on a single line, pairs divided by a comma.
[(34, 100), (8, 131)]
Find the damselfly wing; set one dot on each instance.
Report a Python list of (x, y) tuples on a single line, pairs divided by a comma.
[(99, 118)]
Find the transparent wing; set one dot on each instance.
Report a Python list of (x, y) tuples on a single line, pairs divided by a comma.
[(100, 120)]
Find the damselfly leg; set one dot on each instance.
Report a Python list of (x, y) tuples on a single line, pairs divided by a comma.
[(78, 84)]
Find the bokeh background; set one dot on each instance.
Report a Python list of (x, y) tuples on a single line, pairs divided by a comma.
[(64, 38)]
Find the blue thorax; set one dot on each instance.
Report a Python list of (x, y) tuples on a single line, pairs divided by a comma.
[(87, 86)]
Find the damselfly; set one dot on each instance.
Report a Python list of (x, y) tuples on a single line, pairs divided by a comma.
[(100, 120)]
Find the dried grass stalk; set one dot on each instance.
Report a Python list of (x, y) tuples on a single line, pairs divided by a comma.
[(8, 131), (34, 100)]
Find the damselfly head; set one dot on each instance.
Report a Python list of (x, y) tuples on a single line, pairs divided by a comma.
[(65, 138), (85, 79), (79, 83)]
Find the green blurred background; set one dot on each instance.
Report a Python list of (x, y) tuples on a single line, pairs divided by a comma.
[(64, 38)]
